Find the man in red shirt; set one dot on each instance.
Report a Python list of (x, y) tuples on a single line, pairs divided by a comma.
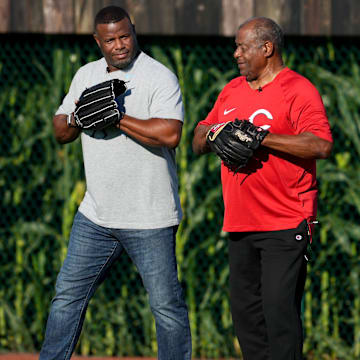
[(271, 203)]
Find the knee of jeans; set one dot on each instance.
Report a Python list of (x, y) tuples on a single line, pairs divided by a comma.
[(165, 299), (170, 315), (69, 294)]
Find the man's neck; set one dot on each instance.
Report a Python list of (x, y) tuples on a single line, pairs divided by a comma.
[(267, 76)]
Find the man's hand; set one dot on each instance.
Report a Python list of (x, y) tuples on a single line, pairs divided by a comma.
[(235, 142), (97, 108)]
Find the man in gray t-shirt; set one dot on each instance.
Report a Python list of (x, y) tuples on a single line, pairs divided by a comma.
[(131, 202)]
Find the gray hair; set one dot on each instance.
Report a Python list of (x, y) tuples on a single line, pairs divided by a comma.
[(266, 29)]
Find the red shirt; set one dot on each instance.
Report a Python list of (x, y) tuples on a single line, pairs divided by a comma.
[(274, 191)]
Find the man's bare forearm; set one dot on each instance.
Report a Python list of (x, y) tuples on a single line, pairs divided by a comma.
[(64, 133), (199, 144)]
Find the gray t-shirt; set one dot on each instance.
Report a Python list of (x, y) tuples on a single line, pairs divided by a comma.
[(130, 185)]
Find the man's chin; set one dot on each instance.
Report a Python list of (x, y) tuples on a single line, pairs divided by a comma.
[(249, 77), (122, 65)]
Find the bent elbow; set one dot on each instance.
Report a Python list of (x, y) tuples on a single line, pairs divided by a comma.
[(61, 140), (325, 150), (64, 137), (59, 135), (173, 141)]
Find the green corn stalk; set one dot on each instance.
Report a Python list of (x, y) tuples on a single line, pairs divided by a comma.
[(85, 344), (324, 290), (110, 340), (355, 282), (341, 178), (69, 210), (19, 286), (335, 309), (3, 339), (192, 172), (53, 188), (40, 303), (33, 122)]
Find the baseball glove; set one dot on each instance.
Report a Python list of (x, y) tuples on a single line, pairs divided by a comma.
[(235, 142), (97, 107)]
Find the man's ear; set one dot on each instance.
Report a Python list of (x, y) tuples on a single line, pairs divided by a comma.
[(268, 48), (96, 39)]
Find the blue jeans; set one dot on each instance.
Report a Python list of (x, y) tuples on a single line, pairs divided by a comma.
[(91, 252)]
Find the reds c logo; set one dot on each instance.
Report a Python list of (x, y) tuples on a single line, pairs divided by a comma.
[(264, 112)]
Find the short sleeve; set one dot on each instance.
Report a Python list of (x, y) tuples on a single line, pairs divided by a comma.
[(166, 101), (308, 114), (68, 104), (212, 117)]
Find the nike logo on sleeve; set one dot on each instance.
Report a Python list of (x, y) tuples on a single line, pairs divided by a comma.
[(228, 111)]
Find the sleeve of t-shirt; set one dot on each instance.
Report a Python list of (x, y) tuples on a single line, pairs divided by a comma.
[(68, 104), (166, 100), (212, 117), (308, 113)]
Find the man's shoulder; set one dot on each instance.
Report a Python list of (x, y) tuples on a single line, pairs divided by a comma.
[(233, 85), (236, 82), (295, 85), (292, 78), (97, 65), (155, 68), (296, 88)]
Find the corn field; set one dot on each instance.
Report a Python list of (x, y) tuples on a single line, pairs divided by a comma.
[(42, 184)]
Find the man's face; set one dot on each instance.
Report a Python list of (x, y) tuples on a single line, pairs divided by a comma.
[(249, 54), (117, 42)]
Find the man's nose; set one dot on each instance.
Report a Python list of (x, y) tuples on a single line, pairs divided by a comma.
[(237, 53), (119, 44)]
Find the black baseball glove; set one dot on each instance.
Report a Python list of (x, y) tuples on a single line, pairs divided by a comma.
[(235, 142), (97, 108)]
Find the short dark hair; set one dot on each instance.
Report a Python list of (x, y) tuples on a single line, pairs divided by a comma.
[(267, 30), (110, 14)]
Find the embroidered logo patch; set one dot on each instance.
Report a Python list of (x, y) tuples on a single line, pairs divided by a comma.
[(228, 111), (242, 136)]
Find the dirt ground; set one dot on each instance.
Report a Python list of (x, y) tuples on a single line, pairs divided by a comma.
[(36, 356)]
